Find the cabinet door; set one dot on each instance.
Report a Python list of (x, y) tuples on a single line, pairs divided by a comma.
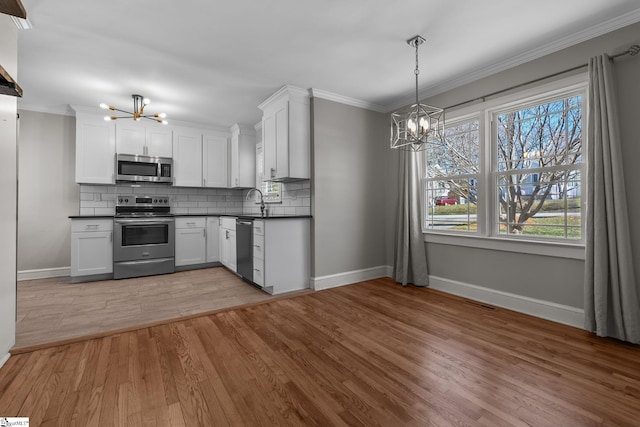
[(187, 158), (91, 253), (228, 248), (215, 160), (95, 151), (233, 264), (269, 145), (242, 164), (190, 246), (130, 137), (159, 140), (213, 239), (282, 142)]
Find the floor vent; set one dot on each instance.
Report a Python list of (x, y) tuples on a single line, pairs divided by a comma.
[(482, 305)]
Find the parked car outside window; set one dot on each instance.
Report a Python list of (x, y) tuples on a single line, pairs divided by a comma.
[(445, 200)]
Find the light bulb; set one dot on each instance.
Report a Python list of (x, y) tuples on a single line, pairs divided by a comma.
[(107, 118), (424, 125), (162, 115), (164, 122), (411, 126), (146, 101)]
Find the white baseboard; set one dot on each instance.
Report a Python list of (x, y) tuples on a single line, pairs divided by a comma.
[(347, 278), (44, 273), (4, 359), (564, 314)]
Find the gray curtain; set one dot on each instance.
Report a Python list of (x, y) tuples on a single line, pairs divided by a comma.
[(410, 260), (612, 307)]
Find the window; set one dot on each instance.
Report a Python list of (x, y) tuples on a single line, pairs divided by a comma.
[(511, 168), (538, 169), (452, 176)]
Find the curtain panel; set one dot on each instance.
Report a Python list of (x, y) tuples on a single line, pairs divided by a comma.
[(612, 307)]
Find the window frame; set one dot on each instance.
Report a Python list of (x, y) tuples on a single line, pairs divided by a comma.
[(487, 235)]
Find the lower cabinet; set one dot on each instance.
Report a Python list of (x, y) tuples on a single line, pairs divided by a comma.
[(91, 248), (282, 254), (228, 256), (190, 241), (213, 239)]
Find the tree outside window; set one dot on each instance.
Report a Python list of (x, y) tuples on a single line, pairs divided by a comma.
[(536, 169)]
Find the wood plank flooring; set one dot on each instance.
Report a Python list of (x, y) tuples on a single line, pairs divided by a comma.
[(54, 309), (368, 354)]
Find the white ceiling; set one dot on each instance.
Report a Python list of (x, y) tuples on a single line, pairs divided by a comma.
[(213, 62)]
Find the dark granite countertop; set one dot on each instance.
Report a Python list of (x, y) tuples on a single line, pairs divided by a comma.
[(188, 215)]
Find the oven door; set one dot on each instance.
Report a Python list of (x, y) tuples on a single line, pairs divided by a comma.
[(143, 238)]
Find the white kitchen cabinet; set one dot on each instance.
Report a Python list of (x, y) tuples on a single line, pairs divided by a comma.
[(258, 253), (242, 160), (190, 241), (286, 135), (213, 239), (228, 256), (284, 254), (91, 248), (187, 157), (143, 138), (215, 159), (95, 150)]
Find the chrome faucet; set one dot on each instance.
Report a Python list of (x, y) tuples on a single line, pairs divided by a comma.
[(261, 200)]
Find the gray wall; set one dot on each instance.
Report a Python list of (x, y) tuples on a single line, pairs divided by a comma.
[(47, 192), (8, 187), (348, 188), (558, 280)]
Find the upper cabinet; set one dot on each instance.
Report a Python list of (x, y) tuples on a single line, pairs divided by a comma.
[(286, 135), (187, 157), (243, 157), (95, 150), (144, 139), (215, 159)]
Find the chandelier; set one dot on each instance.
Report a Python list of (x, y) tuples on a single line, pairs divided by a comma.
[(139, 102), (417, 125)]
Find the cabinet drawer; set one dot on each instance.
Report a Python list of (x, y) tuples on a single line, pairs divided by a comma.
[(258, 246), (228, 222), (258, 228), (192, 222), (82, 225), (258, 272)]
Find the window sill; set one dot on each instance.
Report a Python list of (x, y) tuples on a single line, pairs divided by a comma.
[(558, 250)]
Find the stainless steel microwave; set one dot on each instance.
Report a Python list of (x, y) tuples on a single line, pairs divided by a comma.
[(131, 168)]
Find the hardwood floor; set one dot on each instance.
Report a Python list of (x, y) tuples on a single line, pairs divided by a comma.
[(55, 309), (368, 354)]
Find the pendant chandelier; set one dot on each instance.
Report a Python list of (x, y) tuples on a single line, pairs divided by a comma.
[(139, 102), (417, 125)]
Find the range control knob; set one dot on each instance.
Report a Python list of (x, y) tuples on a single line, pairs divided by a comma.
[(126, 200), (120, 200)]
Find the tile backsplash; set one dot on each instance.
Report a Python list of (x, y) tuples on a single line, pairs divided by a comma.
[(296, 200), (101, 199)]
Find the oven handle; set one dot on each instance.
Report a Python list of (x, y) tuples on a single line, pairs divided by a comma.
[(146, 221)]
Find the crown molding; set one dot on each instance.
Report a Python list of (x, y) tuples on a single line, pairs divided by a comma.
[(62, 110), (546, 49), (341, 99)]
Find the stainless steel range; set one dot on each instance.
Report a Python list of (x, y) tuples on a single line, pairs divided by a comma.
[(144, 233)]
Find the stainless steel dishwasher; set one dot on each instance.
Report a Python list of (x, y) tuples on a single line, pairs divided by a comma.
[(244, 248)]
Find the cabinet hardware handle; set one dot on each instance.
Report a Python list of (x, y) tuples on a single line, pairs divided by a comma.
[(273, 172), (111, 237), (204, 182)]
